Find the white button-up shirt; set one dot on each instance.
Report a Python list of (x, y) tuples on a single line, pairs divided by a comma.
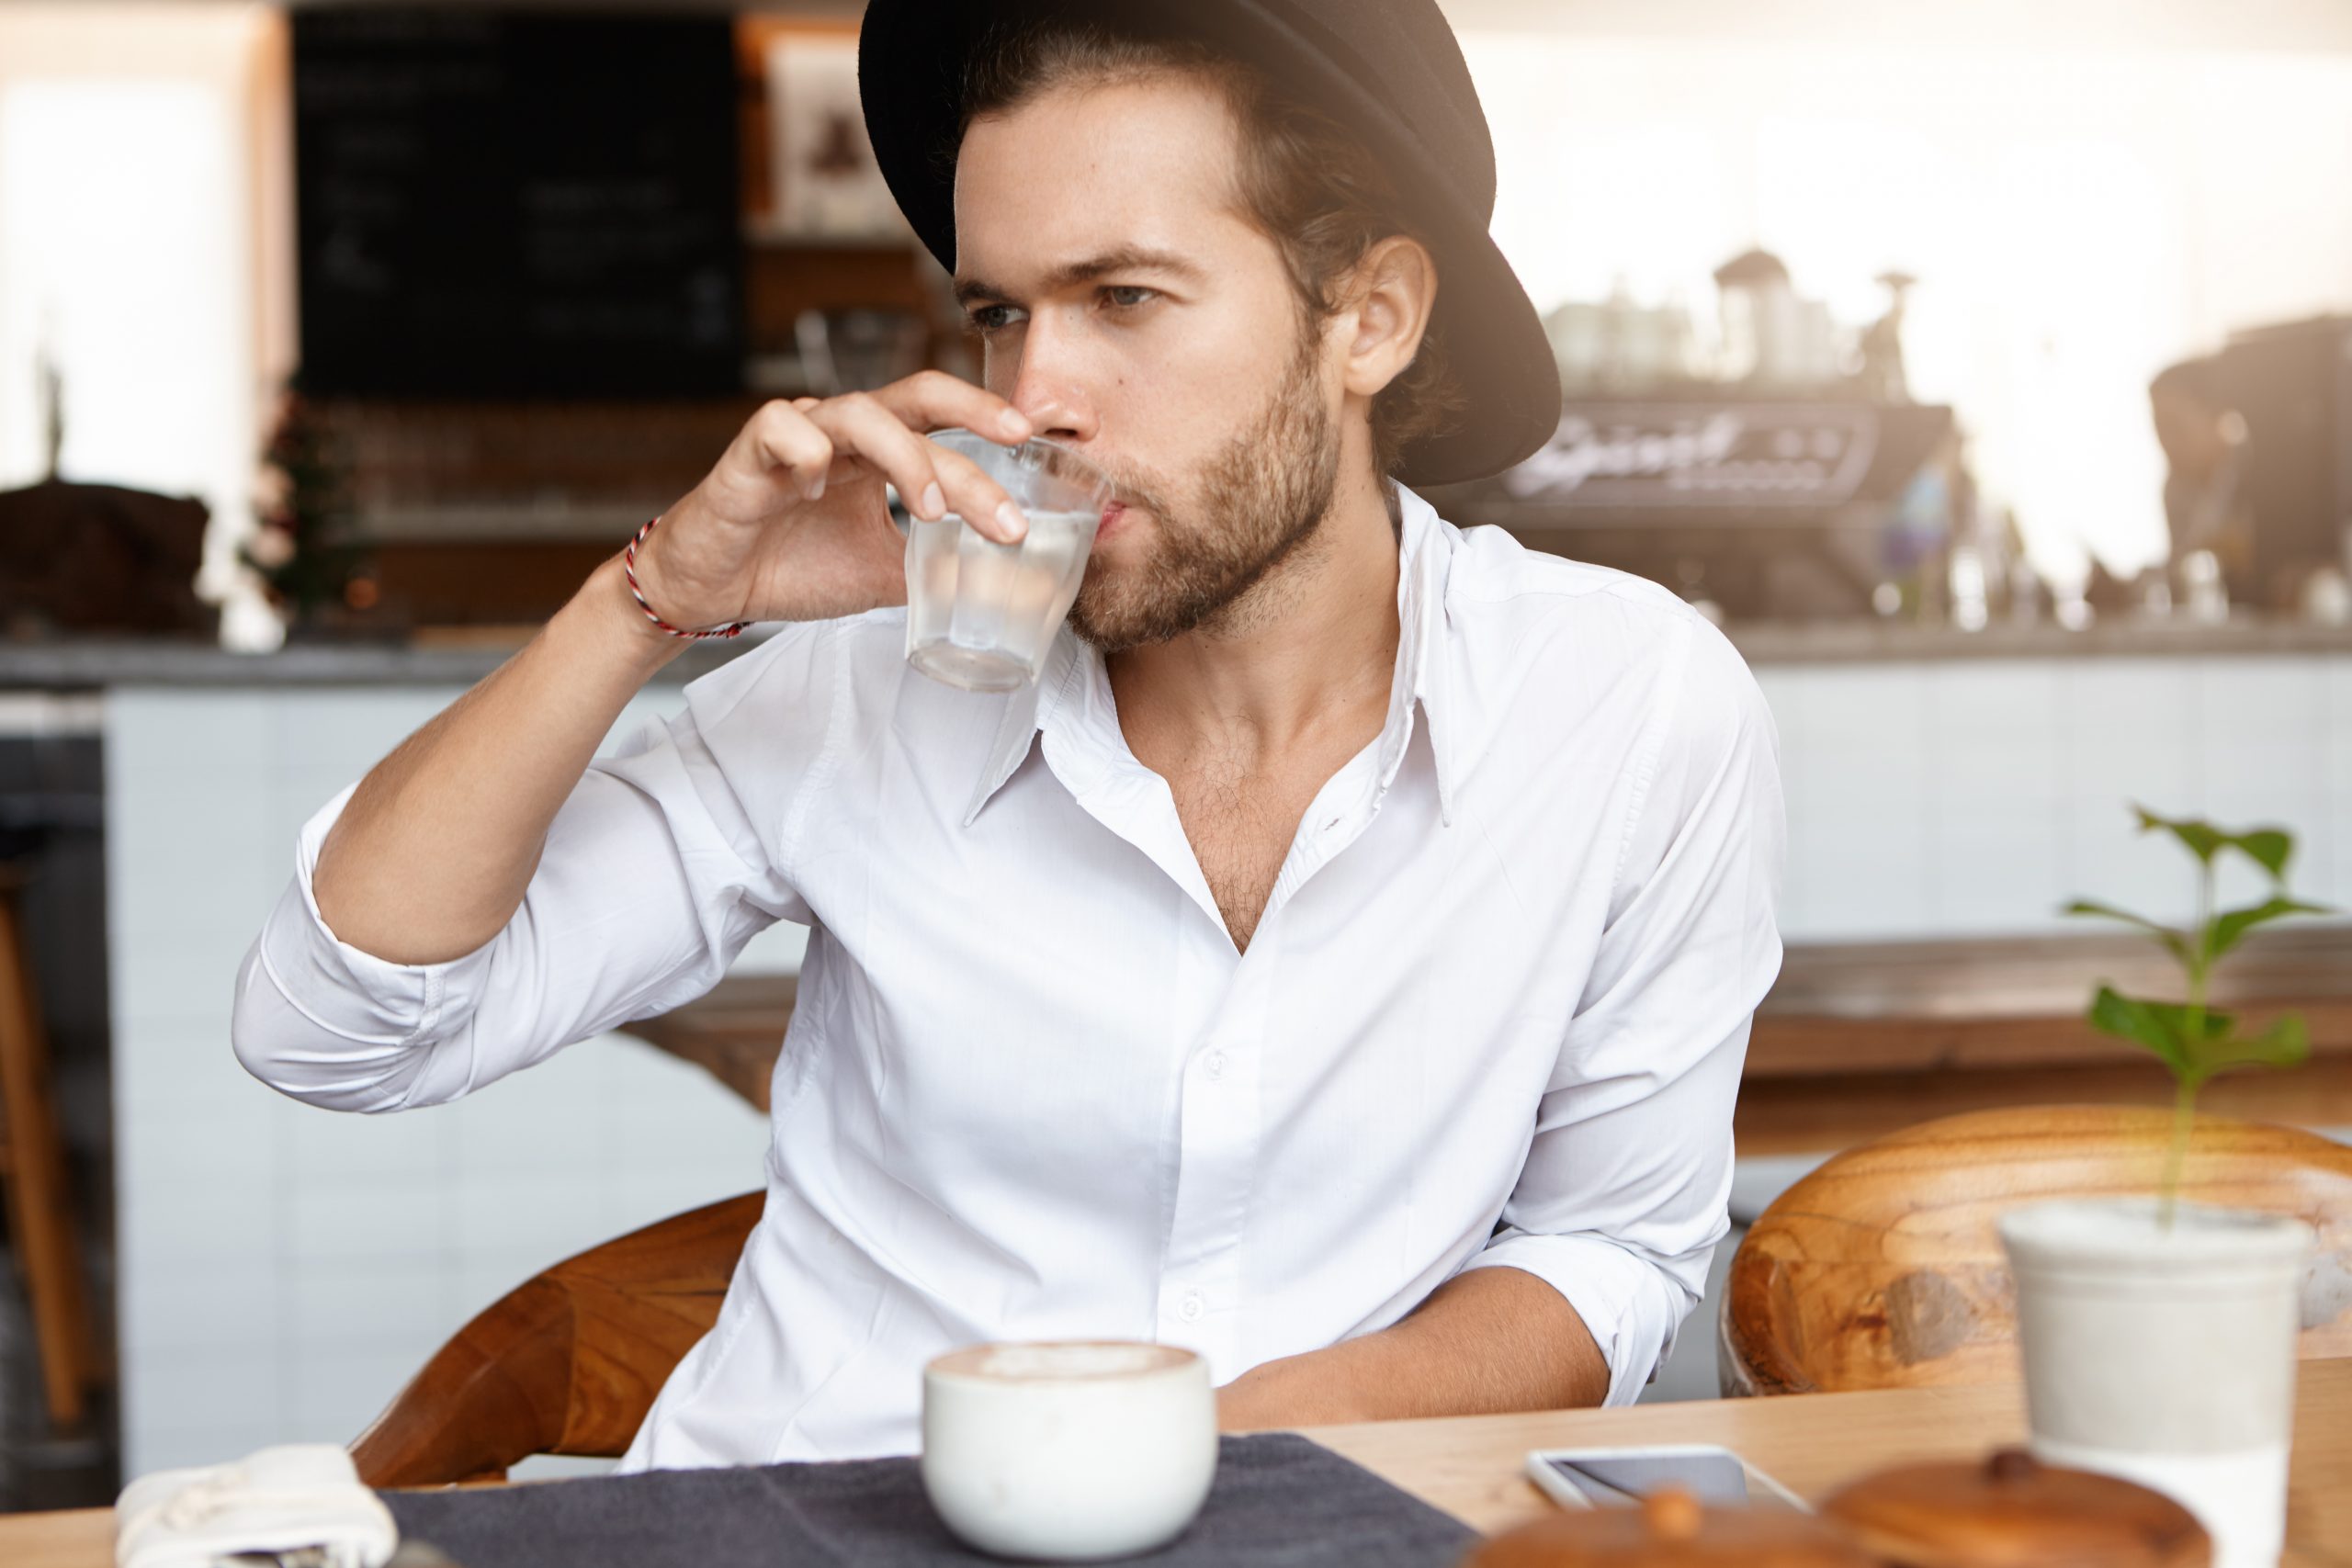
[(1494, 1012)]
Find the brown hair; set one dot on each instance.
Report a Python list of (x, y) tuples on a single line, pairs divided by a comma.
[(1314, 188)]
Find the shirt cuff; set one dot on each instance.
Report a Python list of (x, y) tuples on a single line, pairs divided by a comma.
[(346, 992), (1620, 1297)]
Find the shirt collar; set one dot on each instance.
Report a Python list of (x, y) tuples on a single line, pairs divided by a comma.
[(1073, 679)]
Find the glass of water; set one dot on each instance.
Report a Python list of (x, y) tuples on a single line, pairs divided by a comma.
[(979, 615)]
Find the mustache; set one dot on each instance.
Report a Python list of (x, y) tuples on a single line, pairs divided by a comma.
[(1131, 489)]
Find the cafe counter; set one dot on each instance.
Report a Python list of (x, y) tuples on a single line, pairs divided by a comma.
[(462, 657)]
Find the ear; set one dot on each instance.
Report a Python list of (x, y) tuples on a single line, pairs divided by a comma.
[(1389, 296)]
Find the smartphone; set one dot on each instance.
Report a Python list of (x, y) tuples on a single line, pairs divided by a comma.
[(1621, 1478)]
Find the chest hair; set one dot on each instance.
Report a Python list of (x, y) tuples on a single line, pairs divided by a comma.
[(1240, 820)]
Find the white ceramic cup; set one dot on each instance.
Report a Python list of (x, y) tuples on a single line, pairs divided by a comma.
[(2165, 1355), (1068, 1451)]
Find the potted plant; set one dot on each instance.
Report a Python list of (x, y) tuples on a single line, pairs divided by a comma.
[(314, 571), (2159, 1337)]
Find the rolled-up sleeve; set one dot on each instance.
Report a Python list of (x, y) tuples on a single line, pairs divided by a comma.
[(1626, 1187), (667, 857)]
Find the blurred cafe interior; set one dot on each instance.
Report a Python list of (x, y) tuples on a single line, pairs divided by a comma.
[(1982, 367)]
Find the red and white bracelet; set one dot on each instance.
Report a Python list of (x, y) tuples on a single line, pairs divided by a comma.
[(629, 569)]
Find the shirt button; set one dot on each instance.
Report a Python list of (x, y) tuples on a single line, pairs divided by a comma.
[(1214, 1064), (1191, 1307)]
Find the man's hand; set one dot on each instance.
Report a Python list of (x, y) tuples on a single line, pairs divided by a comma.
[(791, 525), (1491, 1340)]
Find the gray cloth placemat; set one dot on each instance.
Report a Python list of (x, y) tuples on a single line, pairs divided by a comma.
[(1280, 1502)]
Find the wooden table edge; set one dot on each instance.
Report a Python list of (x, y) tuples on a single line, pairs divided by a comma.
[(1469, 1466)]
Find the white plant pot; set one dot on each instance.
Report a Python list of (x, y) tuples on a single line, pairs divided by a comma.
[(2166, 1357)]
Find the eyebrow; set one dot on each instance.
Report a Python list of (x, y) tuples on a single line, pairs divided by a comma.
[(1121, 259)]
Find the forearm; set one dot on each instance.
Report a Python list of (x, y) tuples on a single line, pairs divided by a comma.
[(1493, 1339), (433, 855)]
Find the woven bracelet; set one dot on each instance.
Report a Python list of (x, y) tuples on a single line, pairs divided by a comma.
[(629, 569)]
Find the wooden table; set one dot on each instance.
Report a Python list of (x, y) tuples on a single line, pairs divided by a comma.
[(1859, 1039), (1816, 1442)]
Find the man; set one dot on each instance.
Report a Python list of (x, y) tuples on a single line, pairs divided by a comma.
[(1341, 962)]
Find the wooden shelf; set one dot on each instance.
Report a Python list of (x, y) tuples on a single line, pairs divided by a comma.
[(760, 230)]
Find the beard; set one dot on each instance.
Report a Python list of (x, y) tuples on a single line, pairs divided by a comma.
[(1260, 499)]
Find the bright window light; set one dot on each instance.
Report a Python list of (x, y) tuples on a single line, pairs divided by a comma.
[(122, 259)]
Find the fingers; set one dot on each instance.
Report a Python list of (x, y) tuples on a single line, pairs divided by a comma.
[(933, 480), (809, 439), (782, 436), (932, 399), (977, 498)]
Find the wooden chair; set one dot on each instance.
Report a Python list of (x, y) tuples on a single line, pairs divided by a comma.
[(1883, 1269), (567, 1363), (33, 1178)]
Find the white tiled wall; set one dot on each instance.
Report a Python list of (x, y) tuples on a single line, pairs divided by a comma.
[(1977, 796), (285, 1270)]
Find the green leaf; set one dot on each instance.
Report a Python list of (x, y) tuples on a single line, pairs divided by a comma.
[(2286, 1043), (2267, 846), (2204, 839), (2270, 848), (2175, 944), (2162, 1027), (2230, 927)]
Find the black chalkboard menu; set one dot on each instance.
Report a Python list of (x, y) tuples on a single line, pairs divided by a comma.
[(525, 204)]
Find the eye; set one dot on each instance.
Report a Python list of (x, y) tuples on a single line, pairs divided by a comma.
[(1127, 296), (994, 318)]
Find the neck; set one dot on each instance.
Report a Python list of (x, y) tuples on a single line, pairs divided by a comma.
[(1310, 646)]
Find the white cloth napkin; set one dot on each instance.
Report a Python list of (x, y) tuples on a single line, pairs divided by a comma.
[(273, 1500)]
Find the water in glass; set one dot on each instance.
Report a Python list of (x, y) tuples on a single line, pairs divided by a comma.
[(980, 614)]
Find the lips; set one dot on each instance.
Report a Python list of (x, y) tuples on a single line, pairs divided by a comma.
[(1112, 514)]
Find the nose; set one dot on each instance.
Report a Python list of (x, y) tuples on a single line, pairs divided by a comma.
[(1049, 389)]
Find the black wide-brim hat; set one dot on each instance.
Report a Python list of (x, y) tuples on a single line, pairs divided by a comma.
[(1388, 69)]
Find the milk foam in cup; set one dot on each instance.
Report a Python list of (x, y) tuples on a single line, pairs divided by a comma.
[(981, 615), (1068, 1451)]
